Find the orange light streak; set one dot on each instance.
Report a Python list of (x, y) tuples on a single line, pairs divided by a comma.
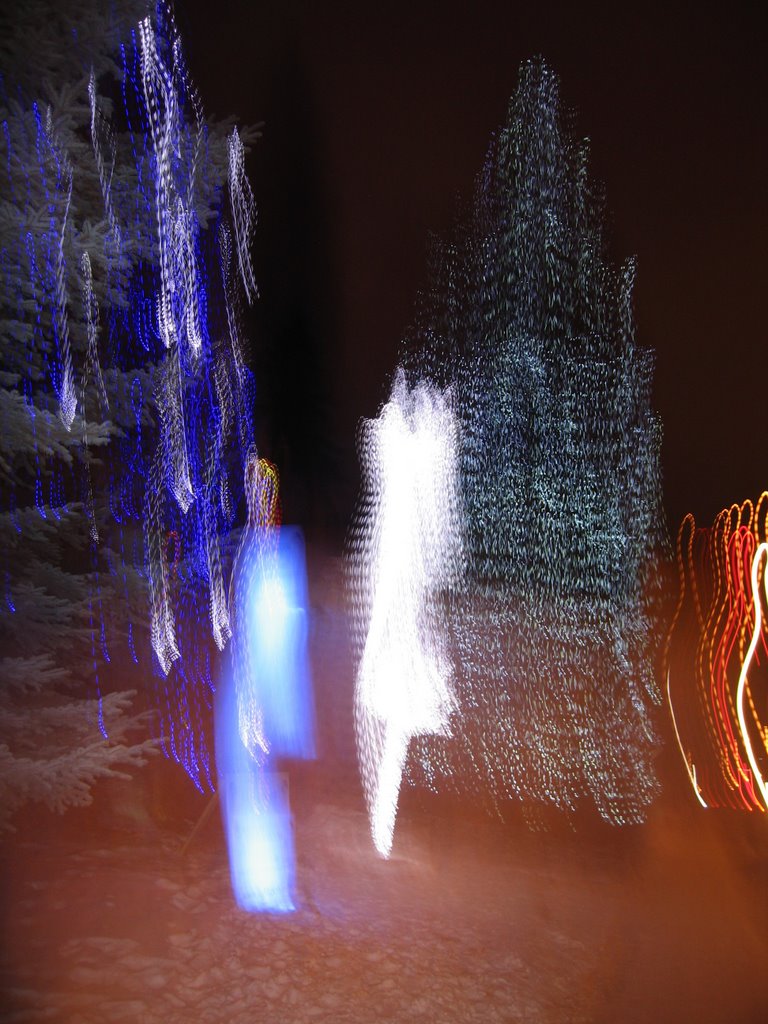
[(711, 700)]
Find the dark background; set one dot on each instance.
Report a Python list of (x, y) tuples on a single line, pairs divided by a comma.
[(377, 117)]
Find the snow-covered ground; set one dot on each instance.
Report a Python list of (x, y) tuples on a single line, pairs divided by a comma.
[(111, 917)]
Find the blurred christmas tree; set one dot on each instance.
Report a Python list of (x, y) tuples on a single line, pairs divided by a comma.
[(557, 627), (114, 190)]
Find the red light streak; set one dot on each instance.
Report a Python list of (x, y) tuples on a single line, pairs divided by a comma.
[(712, 697)]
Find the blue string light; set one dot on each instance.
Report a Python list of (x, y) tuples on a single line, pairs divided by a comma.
[(159, 331)]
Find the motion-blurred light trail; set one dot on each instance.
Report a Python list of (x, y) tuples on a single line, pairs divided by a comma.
[(257, 818), (759, 558), (264, 708), (716, 697), (409, 548)]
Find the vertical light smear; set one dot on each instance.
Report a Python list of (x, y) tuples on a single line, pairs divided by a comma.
[(759, 558), (713, 649), (256, 817), (264, 709), (243, 212), (67, 394), (161, 617), (100, 127), (410, 550)]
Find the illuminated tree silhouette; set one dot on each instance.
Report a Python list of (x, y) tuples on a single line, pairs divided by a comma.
[(54, 273), (556, 627), (125, 395)]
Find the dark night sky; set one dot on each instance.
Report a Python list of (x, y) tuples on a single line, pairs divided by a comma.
[(378, 116)]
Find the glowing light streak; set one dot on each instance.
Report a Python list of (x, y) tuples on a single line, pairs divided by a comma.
[(225, 250), (182, 231), (264, 705), (411, 548), (274, 615), (67, 394), (98, 126), (162, 622), (178, 311), (218, 602), (719, 569), (92, 364), (256, 819), (160, 99), (690, 767), (174, 434), (760, 553), (251, 561), (243, 212)]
